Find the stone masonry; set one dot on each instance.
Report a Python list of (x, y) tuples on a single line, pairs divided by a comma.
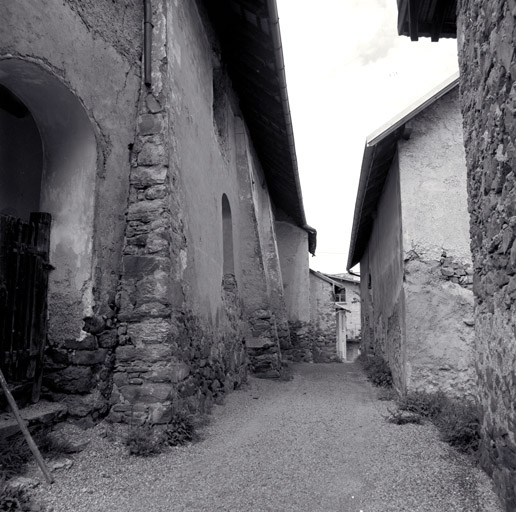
[(486, 35), (168, 360)]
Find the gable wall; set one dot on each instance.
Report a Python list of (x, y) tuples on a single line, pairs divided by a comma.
[(439, 300)]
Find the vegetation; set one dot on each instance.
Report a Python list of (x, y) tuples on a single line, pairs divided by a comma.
[(181, 430), (15, 454), (13, 500), (145, 440), (458, 421), (376, 369), (401, 418), (286, 372)]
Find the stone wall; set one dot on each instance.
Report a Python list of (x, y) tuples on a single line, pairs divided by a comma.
[(323, 321), (184, 345), (353, 317), (488, 73)]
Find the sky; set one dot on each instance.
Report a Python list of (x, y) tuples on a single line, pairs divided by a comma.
[(348, 73)]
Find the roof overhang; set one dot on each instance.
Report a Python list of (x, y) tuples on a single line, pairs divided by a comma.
[(379, 152), (250, 39), (427, 18)]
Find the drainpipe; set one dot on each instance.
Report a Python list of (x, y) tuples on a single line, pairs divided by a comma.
[(147, 42)]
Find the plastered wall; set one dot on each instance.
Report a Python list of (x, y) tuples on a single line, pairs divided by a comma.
[(435, 223), (381, 284)]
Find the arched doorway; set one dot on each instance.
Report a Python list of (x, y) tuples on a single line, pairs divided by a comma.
[(48, 163)]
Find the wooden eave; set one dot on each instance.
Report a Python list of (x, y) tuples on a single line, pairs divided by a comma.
[(250, 43), (427, 18)]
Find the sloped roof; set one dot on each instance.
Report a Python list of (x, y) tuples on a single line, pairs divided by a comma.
[(427, 18), (379, 151), (325, 277), (336, 279), (250, 39)]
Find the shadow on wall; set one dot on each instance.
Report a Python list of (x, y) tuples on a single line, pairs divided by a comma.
[(56, 174)]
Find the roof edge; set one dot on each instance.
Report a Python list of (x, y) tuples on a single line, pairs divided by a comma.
[(370, 150), (413, 110), (280, 63)]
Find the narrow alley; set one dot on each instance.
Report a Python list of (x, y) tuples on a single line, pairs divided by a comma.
[(319, 442)]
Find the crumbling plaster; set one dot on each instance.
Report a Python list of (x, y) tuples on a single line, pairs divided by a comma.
[(435, 224), (61, 74)]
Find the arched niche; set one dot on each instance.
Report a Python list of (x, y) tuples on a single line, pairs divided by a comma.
[(66, 184), (227, 238)]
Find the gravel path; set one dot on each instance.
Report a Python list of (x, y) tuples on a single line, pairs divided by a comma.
[(317, 443)]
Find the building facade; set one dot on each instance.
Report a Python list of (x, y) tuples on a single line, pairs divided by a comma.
[(485, 37), (411, 239), (167, 163), (331, 331)]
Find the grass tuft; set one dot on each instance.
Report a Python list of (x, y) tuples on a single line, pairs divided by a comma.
[(180, 431), (402, 418), (13, 500), (458, 422), (459, 425), (428, 405), (377, 370), (144, 441)]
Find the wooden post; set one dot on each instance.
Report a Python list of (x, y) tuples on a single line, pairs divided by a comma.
[(25, 430)]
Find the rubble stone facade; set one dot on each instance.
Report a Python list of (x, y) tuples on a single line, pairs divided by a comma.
[(486, 35)]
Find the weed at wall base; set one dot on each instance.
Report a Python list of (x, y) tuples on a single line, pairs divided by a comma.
[(145, 440), (377, 370), (458, 422)]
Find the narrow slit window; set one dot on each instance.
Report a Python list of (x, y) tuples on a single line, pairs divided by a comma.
[(227, 238)]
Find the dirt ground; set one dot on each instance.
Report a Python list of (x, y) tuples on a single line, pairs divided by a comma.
[(319, 442)]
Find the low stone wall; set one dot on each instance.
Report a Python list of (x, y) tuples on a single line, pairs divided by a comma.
[(79, 374), (264, 349), (310, 345)]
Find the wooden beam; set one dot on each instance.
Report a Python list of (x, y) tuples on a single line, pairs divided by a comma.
[(402, 15), (413, 19), (438, 20)]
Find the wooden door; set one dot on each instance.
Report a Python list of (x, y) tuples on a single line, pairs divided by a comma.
[(24, 268)]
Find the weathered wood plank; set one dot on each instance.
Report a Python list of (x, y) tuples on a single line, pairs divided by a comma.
[(24, 267)]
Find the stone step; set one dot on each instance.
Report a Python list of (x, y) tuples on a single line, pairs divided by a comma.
[(35, 415)]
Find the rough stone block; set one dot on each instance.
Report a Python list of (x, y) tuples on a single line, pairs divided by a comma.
[(148, 392), (140, 266), (153, 104), (156, 192), (173, 373), (108, 339), (143, 177), (154, 330), (71, 380), (146, 211), (149, 124), (89, 357), (152, 153), (148, 353), (89, 342)]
